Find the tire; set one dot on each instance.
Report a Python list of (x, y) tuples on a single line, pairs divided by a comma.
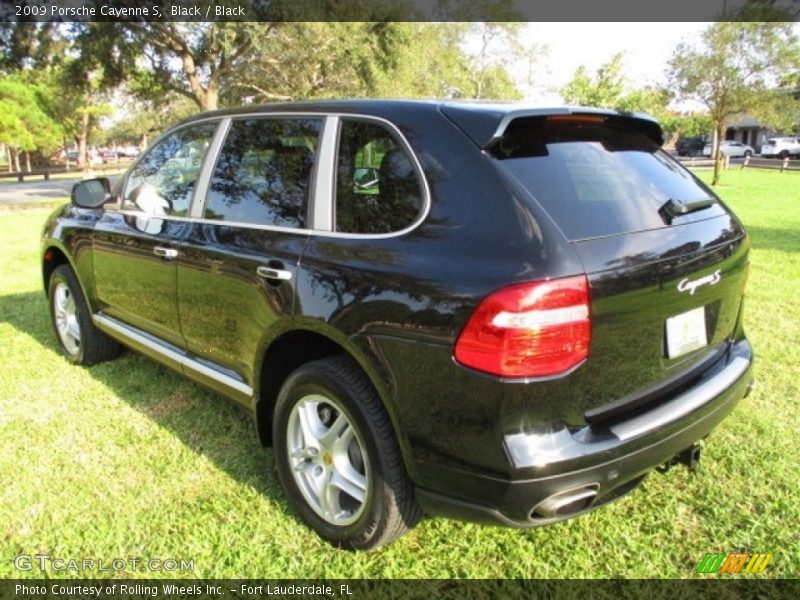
[(80, 341), (747, 154), (330, 426), (784, 154)]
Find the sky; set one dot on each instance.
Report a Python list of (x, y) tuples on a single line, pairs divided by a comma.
[(646, 49)]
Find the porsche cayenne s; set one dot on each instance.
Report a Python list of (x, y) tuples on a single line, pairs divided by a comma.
[(488, 312)]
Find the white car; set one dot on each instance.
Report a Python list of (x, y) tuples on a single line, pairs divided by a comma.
[(782, 147), (730, 148)]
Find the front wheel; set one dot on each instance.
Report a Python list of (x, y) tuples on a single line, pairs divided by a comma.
[(80, 341), (747, 154), (338, 458)]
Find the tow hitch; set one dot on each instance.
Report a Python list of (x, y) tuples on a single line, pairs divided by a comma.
[(689, 457)]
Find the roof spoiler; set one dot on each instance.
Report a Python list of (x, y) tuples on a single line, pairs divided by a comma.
[(642, 122)]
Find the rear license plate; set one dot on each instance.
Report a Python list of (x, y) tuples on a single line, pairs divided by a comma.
[(686, 332)]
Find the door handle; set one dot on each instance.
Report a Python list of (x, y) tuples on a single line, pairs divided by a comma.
[(168, 253), (273, 273)]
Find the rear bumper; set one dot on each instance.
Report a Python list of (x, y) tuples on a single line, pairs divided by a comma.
[(608, 462)]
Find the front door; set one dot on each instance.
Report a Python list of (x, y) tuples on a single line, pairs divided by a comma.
[(136, 246)]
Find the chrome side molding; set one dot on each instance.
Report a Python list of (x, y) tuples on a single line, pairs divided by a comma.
[(130, 334)]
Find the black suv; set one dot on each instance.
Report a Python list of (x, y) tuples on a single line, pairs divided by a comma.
[(489, 312), (691, 146)]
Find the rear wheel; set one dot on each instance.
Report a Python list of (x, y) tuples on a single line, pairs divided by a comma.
[(784, 154), (747, 154), (80, 341), (338, 459)]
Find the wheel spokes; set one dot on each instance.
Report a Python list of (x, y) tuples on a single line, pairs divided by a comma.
[(335, 431), (327, 459), (66, 318), (351, 482)]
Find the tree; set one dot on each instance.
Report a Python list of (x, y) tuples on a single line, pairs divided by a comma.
[(330, 60), (604, 90), (190, 59), (144, 119), (737, 68), (608, 88), (79, 63), (26, 121), (498, 47), (677, 125)]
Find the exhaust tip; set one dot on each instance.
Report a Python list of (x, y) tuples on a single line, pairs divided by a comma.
[(566, 503)]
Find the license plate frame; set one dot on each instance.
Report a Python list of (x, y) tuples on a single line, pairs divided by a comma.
[(686, 332)]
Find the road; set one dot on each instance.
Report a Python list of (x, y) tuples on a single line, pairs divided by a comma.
[(38, 191)]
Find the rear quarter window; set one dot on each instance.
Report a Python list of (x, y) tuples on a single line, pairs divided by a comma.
[(597, 178), (378, 189)]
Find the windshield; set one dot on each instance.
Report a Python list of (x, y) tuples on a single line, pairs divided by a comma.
[(598, 177)]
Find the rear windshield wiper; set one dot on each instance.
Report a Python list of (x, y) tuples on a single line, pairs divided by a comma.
[(675, 208)]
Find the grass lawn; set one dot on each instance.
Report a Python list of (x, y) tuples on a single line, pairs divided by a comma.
[(127, 459)]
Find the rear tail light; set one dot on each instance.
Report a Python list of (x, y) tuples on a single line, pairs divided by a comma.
[(535, 329)]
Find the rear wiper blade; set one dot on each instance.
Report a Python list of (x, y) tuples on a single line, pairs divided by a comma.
[(675, 208)]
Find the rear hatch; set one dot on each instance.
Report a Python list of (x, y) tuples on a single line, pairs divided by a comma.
[(666, 261)]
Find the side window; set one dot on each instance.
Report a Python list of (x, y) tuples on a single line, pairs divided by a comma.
[(263, 174), (377, 188), (162, 183)]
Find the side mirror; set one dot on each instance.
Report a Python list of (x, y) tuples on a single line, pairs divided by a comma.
[(91, 193)]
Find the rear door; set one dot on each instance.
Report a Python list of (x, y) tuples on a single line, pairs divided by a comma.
[(666, 261), (237, 270)]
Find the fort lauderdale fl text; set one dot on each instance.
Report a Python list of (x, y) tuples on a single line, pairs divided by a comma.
[(122, 12), (170, 589)]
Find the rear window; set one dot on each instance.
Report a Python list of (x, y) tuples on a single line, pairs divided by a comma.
[(597, 176)]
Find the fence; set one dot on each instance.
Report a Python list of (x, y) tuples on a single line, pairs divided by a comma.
[(693, 162), (769, 163)]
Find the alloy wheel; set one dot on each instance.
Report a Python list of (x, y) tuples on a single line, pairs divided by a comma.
[(328, 459)]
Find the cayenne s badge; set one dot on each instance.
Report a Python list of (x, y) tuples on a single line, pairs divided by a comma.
[(686, 285)]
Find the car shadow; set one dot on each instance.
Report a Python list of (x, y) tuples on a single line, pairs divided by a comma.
[(205, 422)]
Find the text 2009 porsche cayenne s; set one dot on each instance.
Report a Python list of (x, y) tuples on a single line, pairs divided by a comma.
[(488, 312)]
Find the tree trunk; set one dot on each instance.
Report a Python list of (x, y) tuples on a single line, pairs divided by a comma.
[(211, 100), (83, 134), (143, 142), (28, 161), (719, 129), (15, 154)]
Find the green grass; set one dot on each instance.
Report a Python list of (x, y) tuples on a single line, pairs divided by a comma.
[(127, 459)]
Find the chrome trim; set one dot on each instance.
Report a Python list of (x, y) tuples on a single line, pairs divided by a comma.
[(426, 193), (207, 169), (322, 205), (683, 404), (129, 333), (551, 506)]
